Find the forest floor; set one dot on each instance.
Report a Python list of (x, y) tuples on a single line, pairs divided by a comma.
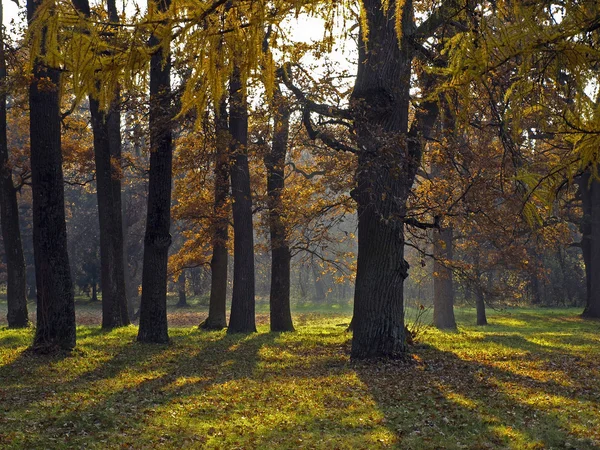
[(529, 380)]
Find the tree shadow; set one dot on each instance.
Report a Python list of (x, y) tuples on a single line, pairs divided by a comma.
[(135, 380), (440, 397)]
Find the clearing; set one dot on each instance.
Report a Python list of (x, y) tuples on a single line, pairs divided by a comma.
[(531, 379)]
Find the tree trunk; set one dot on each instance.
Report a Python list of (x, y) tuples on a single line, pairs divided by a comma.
[(590, 243), (242, 318), (182, 303), (130, 289), (55, 303), (389, 155), (106, 127), (217, 315), (153, 306), (279, 298), (16, 275), (443, 289), (480, 305), (107, 152)]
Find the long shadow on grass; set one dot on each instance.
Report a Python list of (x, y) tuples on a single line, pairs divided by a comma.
[(444, 400), (568, 363), (140, 379), (31, 378)]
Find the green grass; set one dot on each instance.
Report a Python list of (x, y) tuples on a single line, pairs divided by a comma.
[(529, 380)]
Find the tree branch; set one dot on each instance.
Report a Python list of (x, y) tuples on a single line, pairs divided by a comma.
[(441, 15), (319, 108)]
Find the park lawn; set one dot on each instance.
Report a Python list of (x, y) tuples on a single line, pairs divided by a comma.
[(531, 379)]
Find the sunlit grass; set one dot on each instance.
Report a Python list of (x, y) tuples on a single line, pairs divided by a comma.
[(529, 380)]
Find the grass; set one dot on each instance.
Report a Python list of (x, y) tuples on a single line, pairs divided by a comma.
[(530, 380)]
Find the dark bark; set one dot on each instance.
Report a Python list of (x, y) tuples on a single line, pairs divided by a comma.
[(153, 306), (480, 306), (242, 319), (16, 275), (106, 127), (181, 290), (55, 303), (131, 289), (217, 314), (279, 298), (590, 228), (443, 289), (107, 152), (389, 155)]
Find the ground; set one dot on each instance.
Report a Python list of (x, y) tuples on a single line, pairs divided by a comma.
[(529, 380)]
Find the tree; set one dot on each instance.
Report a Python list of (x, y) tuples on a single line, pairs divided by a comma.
[(55, 304), (106, 126), (16, 287), (216, 319), (590, 242), (389, 155), (242, 318), (153, 306), (549, 56), (279, 299)]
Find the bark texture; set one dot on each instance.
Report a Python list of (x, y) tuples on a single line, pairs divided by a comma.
[(107, 153), (389, 154), (217, 315), (443, 289), (590, 244), (55, 304), (242, 318), (157, 239), (16, 274), (279, 298)]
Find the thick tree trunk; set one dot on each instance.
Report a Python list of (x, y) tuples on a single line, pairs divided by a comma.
[(443, 289), (480, 306), (242, 318), (279, 298), (153, 306), (16, 275), (217, 315), (389, 155), (181, 290), (590, 243), (55, 303)]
